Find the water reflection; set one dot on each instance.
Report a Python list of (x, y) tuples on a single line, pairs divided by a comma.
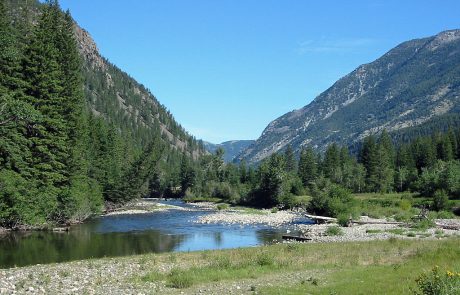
[(18, 249), (130, 234)]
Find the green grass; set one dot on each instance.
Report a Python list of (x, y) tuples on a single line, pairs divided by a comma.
[(192, 199), (334, 231), (400, 206), (222, 206), (385, 267), (397, 231), (248, 210)]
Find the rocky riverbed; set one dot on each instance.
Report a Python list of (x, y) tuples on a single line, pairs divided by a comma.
[(266, 217), (374, 231)]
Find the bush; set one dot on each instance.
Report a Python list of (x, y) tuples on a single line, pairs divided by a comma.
[(222, 207), (445, 215), (334, 231), (274, 210), (405, 205), (424, 224), (331, 200), (265, 259), (437, 282), (440, 200), (179, 279), (343, 220)]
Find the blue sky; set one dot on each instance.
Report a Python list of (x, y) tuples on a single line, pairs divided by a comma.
[(226, 68)]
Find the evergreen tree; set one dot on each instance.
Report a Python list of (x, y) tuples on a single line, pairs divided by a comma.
[(43, 90), (187, 175), (307, 169), (331, 164), (289, 159), (369, 158)]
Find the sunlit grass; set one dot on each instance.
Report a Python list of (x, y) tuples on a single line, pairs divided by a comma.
[(347, 268)]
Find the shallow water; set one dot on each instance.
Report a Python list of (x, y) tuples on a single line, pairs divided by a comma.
[(120, 235)]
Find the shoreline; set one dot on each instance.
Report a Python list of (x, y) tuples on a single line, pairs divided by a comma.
[(287, 265), (366, 229)]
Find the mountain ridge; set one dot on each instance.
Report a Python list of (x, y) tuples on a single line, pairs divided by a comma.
[(405, 87), (232, 148)]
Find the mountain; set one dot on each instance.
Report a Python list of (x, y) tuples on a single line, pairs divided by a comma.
[(408, 87), (113, 95), (231, 148)]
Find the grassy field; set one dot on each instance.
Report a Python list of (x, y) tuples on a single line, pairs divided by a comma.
[(401, 206), (378, 267)]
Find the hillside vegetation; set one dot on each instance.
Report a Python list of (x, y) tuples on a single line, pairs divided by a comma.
[(76, 131), (414, 84)]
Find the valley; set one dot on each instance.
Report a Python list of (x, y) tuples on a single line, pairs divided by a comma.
[(103, 191)]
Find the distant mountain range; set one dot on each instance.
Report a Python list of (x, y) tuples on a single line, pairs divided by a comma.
[(415, 84), (231, 148)]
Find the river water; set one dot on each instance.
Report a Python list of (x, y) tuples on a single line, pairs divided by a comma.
[(121, 235)]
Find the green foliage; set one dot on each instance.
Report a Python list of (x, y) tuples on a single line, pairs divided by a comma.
[(438, 282), (222, 207), (331, 200), (307, 168), (440, 200), (334, 231), (180, 279)]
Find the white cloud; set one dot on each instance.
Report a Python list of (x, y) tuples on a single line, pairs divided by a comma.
[(327, 45)]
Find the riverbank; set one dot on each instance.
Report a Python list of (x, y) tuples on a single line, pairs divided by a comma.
[(386, 267)]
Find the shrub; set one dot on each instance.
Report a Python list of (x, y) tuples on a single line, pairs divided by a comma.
[(445, 215), (179, 279), (222, 207), (343, 219), (423, 224), (437, 282), (440, 200), (265, 259), (331, 200), (334, 231), (405, 205), (274, 210)]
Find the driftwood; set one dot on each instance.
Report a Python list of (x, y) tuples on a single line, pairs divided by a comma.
[(448, 226), (296, 238), (378, 222), (321, 219), (61, 229)]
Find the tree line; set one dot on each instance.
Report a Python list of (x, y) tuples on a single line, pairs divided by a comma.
[(428, 165)]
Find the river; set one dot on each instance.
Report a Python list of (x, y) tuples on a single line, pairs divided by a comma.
[(121, 235)]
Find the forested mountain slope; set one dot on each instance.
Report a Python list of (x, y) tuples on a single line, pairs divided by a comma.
[(411, 85), (76, 132)]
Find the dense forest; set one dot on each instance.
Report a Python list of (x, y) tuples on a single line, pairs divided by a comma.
[(64, 154), (426, 165)]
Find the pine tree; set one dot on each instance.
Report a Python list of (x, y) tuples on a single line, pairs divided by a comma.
[(307, 169), (289, 159), (387, 144), (369, 158), (186, 174), (43, 77), (331, 162)]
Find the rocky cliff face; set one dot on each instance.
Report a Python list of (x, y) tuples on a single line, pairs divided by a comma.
[(116, 96), (408, 86)]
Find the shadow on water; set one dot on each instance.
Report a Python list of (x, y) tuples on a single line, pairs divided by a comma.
[(121, 235)]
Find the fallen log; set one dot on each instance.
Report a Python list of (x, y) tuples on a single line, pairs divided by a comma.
[(378, 222), (448, 226), (296, 238), (321, 219)]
